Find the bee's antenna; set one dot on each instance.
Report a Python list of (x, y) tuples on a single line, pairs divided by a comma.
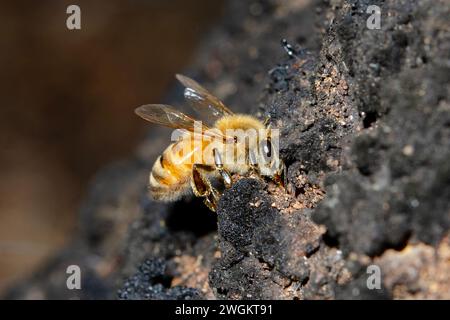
[(288, 48)]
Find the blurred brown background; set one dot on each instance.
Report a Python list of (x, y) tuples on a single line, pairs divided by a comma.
[(67, 101)]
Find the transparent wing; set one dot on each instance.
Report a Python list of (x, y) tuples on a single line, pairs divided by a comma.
[(168, 116), (165, 115), (202, 101)]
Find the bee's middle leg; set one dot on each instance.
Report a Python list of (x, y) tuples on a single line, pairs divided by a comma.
[(201, 186), (226, 177)]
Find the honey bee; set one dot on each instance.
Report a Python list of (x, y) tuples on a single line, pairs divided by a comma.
[(209, 151)]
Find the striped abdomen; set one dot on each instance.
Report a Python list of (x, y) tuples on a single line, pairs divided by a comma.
[(171, 174)]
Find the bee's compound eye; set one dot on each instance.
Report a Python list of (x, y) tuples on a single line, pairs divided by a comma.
[(267, 148)]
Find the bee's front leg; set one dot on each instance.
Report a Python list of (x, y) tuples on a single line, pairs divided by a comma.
[(253, 163), (202, 187)]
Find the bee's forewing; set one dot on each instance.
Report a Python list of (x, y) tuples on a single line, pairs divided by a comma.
[(168, 116), (202, 101)]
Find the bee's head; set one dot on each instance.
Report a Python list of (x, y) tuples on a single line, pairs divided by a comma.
[(254, 144), (269, 161)]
